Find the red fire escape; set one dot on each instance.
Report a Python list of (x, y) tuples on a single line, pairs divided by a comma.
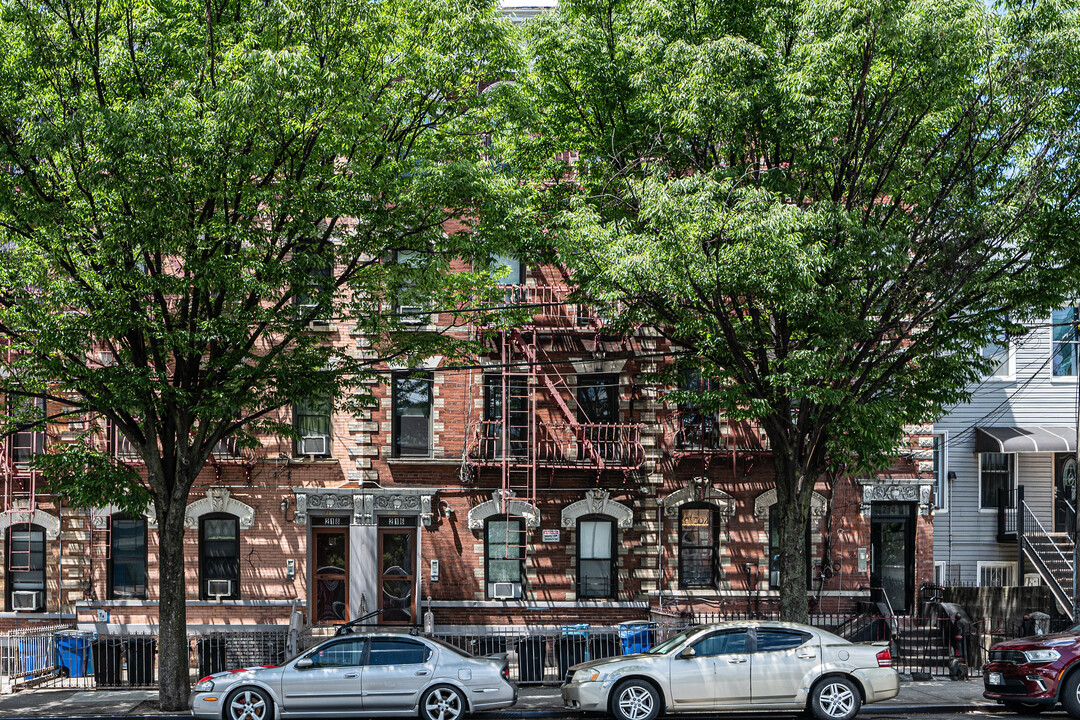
[(19, 479)]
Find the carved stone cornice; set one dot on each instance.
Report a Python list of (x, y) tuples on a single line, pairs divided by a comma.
[(494, 506), (699, 489), (49, 523), (597, 502), (364, 503), (913, 490), (219, 500), (767, 499)]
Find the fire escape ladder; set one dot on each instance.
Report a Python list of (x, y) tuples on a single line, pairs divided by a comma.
[(529, 350), (517, 436)]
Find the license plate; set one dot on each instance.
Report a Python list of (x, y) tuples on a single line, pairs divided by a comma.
[(996, 679)]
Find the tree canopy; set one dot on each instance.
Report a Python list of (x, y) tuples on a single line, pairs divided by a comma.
[(832, 204), (190, 185)]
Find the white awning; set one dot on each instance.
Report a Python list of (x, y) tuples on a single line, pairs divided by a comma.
[(1025, 439)]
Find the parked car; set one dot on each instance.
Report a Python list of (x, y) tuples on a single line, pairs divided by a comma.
[(738, 666), (361, 675), (1033, 674)]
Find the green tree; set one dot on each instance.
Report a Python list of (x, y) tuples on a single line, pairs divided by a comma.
[(831, 204), (189, 185)]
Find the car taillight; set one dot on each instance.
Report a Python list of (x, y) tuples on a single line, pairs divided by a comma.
[(506, 672), (884, 658)]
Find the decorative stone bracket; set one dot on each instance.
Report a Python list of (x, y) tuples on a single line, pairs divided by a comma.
[(597, 502), (700, 489), (767, 499), (520, 508), (50, 523), (219, 500), (897, 490)]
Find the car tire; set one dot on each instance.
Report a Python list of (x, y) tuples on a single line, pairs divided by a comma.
[(249, 703), (1024, 708), (1070, 694), (835, 698), (635, 700), (443, 702)]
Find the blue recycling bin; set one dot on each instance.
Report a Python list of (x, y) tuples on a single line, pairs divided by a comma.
[(73, 654), (637, 637), (34, 655)]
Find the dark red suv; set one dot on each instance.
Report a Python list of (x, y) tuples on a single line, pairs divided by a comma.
[(1035, 673)]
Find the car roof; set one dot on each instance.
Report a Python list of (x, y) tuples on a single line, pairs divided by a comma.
[(778, 624)]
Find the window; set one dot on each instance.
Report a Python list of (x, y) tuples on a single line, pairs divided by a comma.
[(127, 558), (398, 652), (1063, 344), (996, 574), (697, 427), (25, 566), (28, 442), (410, 305), (995, 479), (517, 416), (514, 273), (776, 640), (311, 300), (347, 653), (596, 553), (940, 573), (411, 397), (313, 427), (730, 642), (504, 556), (598, 410), (774, 552), (697, 546), (219, 556), (118, 445), (997, 352), (941, 501)]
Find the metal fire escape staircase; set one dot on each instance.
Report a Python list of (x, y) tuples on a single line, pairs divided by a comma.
[(1050, 553)]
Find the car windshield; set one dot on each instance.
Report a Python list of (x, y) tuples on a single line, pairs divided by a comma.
[(671, 643)]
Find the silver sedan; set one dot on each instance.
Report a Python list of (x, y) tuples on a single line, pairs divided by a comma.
[(738, 666), (370, 675)]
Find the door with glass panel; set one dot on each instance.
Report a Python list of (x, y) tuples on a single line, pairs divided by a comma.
[(596, 553), (331, 574), (397, 571)]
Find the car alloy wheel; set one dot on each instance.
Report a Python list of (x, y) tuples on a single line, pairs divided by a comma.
[(443, 703), (249, 704), (835, 699), (636, 701)]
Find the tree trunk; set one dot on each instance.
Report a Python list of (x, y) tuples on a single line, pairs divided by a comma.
[(173, 651), (793, 494)]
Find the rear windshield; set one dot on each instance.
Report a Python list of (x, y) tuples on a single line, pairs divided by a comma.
[(447, 646)]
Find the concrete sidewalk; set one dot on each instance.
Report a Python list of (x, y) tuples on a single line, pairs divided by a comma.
[(533, 702)]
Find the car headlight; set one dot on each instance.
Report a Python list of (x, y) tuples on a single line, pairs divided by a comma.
[(1034, 656), (586, 676), (206, 685)]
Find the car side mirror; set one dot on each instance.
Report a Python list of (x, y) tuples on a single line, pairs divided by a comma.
[(303, 663), (688, 653)]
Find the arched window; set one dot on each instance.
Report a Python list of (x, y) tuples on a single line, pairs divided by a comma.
[(127, 558), (219, 557), (596, 576), (24, 567), (698, 545)]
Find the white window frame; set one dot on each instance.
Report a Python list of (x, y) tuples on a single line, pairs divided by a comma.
[(941, 570), (1009, 569), (1009, 365), (1015, 472), (1054, 377), (941, 500)]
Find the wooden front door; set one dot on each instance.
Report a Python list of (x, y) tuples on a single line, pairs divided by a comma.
[(397, 575)]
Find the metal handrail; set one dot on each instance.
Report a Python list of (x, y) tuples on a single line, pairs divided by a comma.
[(1031, 521)]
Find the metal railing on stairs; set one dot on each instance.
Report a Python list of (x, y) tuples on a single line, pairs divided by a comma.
[(1044, 552)]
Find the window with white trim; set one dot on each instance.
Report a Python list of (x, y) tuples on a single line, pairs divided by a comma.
[(940, 573), (997, 352), (996, 574), (941, 497), (1063, 343), (313, 427), (411, 396), (997, 474)]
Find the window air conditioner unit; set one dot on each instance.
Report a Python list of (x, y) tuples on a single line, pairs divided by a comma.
[(26, 600), (505, 591), (412, 314), (218, 589), (316, 324), (314, 445), (1032, 579)]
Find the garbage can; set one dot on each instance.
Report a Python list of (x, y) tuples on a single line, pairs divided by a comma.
[(140, 660), (604, 644), (211, 655), (637, 637), (105, 652), (34, 655), (532, 656), (572, 647), (73, 654)]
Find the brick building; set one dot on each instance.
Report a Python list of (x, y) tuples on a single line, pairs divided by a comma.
[(545, 483)]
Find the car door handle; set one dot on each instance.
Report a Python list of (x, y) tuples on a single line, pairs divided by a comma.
[(805, 656), (736, 661), (349, 676), (421, 672)]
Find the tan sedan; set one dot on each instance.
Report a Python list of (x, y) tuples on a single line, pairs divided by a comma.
[(752, 665)]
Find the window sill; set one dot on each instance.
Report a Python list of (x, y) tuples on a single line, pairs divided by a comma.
[(423, 461), (190, 603)]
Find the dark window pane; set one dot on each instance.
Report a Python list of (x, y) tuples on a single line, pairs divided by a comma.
[(504, 551), (397, 652), (412, 415), (516, 420), (128, 559), (27, 556), (774, 640), (697, 551), (347, 653), (219, 553), (728, 643)]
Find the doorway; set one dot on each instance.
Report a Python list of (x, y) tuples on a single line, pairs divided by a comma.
[(397, 570), (1064, 491), (892, 554), (331, 574)]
